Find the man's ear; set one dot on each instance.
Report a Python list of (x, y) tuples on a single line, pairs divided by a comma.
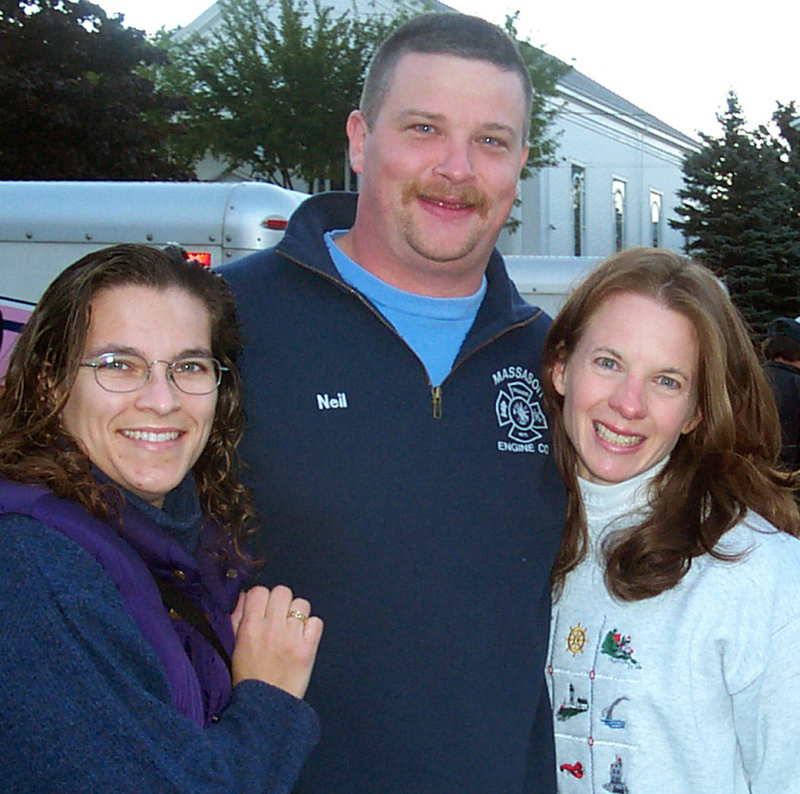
[(357, 131), (524, 160)]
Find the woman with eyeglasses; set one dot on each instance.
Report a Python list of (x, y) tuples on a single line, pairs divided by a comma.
[(131, 659)]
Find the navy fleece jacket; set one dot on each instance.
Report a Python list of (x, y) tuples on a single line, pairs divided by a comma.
[(421, 522)]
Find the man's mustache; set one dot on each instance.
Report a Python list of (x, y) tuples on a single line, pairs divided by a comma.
[(469, 195)]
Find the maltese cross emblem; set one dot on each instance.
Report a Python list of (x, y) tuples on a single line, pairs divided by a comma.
[(518, 410)]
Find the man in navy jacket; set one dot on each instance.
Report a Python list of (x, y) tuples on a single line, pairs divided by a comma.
[(397, 441)]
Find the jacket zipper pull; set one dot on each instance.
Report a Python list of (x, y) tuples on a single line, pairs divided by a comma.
[(436, 394)]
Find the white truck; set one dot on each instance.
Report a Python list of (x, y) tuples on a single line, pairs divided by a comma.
[(45, 226), (545, 281)]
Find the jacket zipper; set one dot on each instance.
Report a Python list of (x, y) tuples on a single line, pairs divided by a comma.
[(436, 391)]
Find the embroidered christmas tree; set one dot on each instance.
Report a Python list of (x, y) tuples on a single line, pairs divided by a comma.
[(618, 647)]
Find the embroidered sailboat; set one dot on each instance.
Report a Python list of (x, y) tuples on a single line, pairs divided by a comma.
[(607, 715)]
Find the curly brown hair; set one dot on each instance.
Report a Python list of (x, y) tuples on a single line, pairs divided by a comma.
[(35, 448), (723, 467)]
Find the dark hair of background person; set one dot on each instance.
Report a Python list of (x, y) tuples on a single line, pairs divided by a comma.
[(35, 448), (726, 465), (781, 347), (447, 33)]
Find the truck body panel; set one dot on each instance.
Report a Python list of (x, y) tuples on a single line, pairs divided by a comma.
[(45, 226)]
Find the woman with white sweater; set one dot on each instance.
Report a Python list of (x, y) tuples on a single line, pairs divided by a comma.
[(674, 661)]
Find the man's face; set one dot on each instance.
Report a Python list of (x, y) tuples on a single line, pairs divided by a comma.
[(439, 171)]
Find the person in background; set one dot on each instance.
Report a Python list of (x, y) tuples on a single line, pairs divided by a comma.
[(675, 639), (396, 440), (131, 662), (781, 351)]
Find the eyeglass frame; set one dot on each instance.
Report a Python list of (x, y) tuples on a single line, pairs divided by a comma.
[(95, 363)]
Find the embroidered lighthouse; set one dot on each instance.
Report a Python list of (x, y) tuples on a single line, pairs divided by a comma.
[(616, 785), (572, 706)]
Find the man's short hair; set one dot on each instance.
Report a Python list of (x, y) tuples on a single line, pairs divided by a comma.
[(453, 34)]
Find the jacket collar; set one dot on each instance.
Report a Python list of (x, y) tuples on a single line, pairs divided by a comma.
[(303, 244), (784, 366)]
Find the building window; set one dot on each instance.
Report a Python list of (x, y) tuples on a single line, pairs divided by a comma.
[(578, 208), (618, 194), (655, 218)]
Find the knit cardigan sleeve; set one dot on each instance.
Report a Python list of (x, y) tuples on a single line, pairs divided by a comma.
[(85, 705)]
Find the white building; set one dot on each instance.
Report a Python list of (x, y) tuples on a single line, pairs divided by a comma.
[(615, 185)]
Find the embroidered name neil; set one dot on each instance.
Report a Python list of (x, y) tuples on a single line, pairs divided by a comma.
[(325, 401)]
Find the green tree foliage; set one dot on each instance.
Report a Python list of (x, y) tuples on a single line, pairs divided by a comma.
[(739, 216), (271, 88), (788, 143), (72, 103), (545, 71)]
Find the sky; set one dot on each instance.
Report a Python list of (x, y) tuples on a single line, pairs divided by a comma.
[(676, 60)]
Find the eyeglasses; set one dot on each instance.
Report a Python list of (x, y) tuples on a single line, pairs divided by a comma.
[(127, 372)]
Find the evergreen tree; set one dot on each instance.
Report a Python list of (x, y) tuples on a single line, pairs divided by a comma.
[(736, 216), (73, 104), (788, 143)]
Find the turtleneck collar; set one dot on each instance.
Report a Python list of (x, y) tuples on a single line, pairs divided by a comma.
[(181, 515), (606, 503)]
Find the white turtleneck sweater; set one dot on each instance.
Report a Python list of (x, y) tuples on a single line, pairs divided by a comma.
[(695, 691)]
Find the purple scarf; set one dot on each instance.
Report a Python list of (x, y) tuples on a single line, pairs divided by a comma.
[(198, 677)]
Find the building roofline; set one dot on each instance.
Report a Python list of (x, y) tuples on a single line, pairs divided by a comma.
[(575, 84)]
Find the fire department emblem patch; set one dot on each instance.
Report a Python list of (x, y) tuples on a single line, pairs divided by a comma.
[(520, 412)]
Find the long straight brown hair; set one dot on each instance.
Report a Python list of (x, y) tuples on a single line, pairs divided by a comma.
[(726, 465)]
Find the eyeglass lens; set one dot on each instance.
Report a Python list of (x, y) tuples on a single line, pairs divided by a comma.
[(128, 372)]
